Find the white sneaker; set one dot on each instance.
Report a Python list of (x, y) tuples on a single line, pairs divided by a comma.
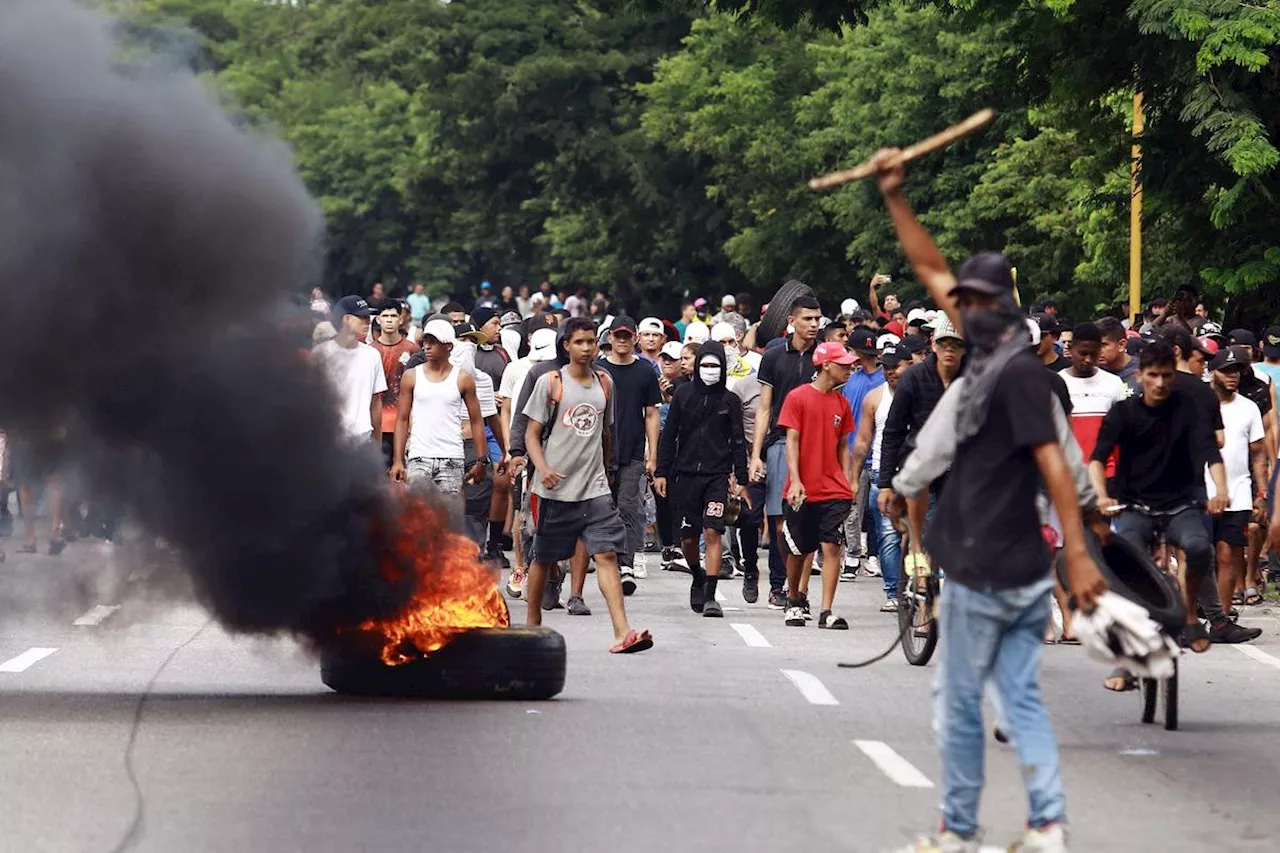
[(944, 842), (795, 617), (641, 569), (1051, 838), (871, 567)]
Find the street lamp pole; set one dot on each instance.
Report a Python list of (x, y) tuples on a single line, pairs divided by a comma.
[(1135, 213)]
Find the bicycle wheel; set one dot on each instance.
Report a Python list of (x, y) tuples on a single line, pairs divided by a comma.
[(920, 631), (1150, 691), (1171, 701)]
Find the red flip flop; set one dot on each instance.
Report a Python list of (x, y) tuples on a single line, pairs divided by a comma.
[(632, 643)]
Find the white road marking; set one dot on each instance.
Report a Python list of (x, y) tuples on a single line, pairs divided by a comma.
[(732, 609), (751, 636), (720, 596), (810, 687), (1139, 750), (96, 615), (26, 660), (894, 766), (1258, 655)]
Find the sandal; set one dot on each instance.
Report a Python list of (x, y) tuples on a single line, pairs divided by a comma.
[(1196, 638), (633, 643), (1068, 640), (1237, 598), (834, 623), (1252, 597), (1130, 681)]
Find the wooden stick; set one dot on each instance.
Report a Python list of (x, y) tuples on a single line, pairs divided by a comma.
[(974, 122)]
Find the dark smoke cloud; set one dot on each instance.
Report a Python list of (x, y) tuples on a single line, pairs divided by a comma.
[(147, 248)]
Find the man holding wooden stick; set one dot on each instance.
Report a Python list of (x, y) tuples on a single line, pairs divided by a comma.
[(986, 533)]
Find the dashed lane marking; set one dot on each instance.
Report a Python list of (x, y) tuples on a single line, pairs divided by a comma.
[(894, 765), (720, 596), (751, 636), (810, 687), (26, 660), (96, 615), (1259, 655)]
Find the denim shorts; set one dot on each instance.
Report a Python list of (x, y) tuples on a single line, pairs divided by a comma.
[(444, 474), (775, 477)]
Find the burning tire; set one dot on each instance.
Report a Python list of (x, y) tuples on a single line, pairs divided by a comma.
[(774, 321), (485, 663)]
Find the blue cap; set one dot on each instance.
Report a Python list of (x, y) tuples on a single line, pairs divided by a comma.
[(353, 305)]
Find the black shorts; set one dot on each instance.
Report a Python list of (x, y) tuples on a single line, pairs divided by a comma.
[(1232, 528), (476, 495), (804, 530), (558, 525), (700, 502)]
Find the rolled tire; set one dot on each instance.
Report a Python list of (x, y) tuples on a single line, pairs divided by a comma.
[(774, 321), (486, 663), (1131, 574)]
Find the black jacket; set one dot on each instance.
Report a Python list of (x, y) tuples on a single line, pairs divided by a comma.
[(703, 433), (918, 391)]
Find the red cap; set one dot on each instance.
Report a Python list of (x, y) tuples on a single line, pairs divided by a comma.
[(832, 353), (1210, 344)]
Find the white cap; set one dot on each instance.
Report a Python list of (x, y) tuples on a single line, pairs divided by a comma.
[(441, 330), (672, 350), (943, 329), (917, 314), (888, 339), (823, 322), (722, 331), (651, 324), (1034, 328), (542, 345), (849, 306), (537, 298), (728, 299), (697, 331), (933, 317)]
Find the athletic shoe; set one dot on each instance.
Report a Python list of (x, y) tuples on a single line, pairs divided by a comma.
[(777, 599), (849, 573), (652, 548), (493, 554), (944, 842), (670, 555), (1229, 632), (871, 567), (751, 589), (712, 608), (850, 564), (890, 606), (551, 596), (795, 617), (628, 580), (728, 566), (1051, 838), (804, 606), (515, 583), (578, 607), (641, 568), (697, 594), (828, 620)]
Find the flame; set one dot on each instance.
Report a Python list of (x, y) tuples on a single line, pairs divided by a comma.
[(454, 591)]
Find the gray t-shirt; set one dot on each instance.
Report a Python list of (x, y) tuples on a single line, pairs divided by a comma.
[(575, 445)]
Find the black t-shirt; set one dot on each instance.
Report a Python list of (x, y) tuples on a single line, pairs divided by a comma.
[(1253, 388), (1163, 449), (986, 533), (635, 387), (1059, 364), (784, 368), (493, 361)]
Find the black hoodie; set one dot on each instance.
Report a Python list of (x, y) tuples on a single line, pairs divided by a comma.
[(703, 433)]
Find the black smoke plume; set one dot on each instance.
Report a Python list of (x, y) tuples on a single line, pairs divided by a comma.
[(148, 248)]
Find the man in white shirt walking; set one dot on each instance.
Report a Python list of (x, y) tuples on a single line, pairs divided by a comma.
[(355, 371)]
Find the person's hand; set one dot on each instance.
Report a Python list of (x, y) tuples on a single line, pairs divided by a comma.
[(879, 279), (504, 464), (885, 501), (755, 470), (1217, 505), (398, 473), (650, 466), (795, 495), (517, 464), (1108, 506), (551, 479), (1260, 509), (1098, 525), (1085, 580), (664, 384), (660, 486), (890, 173), (896, 510), (477, 473)]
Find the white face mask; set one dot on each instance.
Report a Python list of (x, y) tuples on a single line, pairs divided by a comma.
[(464, 352), (710, 375), (731, 356)]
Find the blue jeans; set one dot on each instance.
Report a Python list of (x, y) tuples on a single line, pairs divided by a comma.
[(888, 539), (996, 635)]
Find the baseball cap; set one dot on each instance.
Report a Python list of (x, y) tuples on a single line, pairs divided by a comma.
[(893, 356), (1226, 360), (672, 350), (944, 329), (441, 330), (486, 285), (462, 330), (622, 323), (697, 331), (862, 341), (913, 343), (699, 303), (721, 331), (917, 315), (1208, 327), (728, 299), (353, 305), (986, 272), (542, 345), (1033, 329), (887, 340), (1243, 337), (1048, 325), (651, 324), (509, 319), (848, 306), (832, 353), (1209, 345), (1271, 342)]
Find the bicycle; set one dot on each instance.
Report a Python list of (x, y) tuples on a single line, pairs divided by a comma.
[(919, 591)]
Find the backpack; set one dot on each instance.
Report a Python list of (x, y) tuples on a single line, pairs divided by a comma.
[(555, 393)]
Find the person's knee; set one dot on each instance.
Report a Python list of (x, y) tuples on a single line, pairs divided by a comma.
[(1199, 554)]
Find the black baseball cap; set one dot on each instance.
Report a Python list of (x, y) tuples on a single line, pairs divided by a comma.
[(353, 305), (1049, 325), (1271, 342), (988, 273), (862, 341), (622, 323), (1227, 360), (892, 356), (913, 344), (1244, 337), (464, 328)]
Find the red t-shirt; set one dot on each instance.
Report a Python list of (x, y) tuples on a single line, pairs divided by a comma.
[(823, 421), (394, 358)]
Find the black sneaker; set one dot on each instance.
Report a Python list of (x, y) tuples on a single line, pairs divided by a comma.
[(628, 580), (1229, 632), (712, 608), (697, 594), (652, 547), (777, 599), (751, 589), (727, 566), (670, 555), (551, 597), (804, 607), (578, 607)]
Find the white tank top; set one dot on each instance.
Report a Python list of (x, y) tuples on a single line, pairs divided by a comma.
[(882, 416), (435, 421)]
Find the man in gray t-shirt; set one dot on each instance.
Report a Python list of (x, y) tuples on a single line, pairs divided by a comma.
[(570, 415)]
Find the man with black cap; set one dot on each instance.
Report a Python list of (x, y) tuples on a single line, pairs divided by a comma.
[(1270, 354), (996, 602), (866, 377), (355, 370), (1047, 349)]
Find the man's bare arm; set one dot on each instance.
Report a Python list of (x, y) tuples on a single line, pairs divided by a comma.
[(375, 417)]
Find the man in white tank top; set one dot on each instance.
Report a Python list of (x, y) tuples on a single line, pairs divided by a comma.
[(875, 411), (435, 398)]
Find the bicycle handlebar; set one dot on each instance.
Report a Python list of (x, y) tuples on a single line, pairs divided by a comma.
[(1142, 509)]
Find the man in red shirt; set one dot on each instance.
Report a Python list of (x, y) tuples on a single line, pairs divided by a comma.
[(396, 350), (818, 420)]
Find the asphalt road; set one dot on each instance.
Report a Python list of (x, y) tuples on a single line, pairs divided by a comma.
[(737, 734)]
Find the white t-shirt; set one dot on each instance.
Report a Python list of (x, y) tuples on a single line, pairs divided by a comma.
[(1241, 425), (1091, 398), (753, 358), (513, 380), (356, 374)]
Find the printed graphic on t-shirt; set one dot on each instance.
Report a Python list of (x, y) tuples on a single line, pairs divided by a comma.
[(583, 418)]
